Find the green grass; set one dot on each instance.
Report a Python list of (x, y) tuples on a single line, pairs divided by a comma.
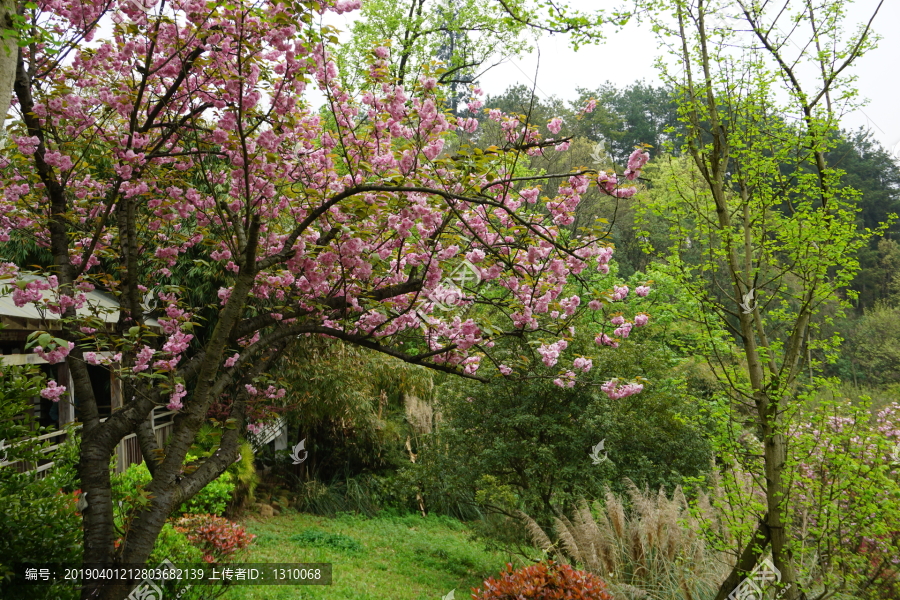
[(382, 558)]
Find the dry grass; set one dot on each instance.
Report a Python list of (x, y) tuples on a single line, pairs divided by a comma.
[(653, 551)]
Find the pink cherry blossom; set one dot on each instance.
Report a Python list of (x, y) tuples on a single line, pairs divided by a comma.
[(623, 331), (53, 391), (616, 391), (471, 364), (583, 364), (175, 398), (564, 382), (475, 256), (620, 293), (604, 255), (142, 359), (433, 149), (636, 162), (56, 355), (551, 352), (605, 340), (554, 125)]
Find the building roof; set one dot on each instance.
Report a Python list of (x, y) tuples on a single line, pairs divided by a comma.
[(98, 303)]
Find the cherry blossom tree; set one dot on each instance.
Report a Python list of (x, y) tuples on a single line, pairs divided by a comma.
[(181, 140)]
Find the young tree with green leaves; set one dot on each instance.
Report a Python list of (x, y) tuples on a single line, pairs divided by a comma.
[(464, 35), (772, 232), (462, 38)]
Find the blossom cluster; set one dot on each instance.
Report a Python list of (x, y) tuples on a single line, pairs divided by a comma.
[(53, 391), (55, 354), (615, 390), (550, 352), (636, 162)]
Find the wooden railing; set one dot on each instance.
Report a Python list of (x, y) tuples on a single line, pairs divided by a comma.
[(23, 466), (128, 450)]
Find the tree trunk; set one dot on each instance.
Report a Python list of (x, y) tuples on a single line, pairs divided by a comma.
[(9, 56), (748, 559), (775, 455)]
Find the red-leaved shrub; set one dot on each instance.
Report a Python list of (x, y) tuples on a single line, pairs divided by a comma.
[(543, 581), (218, 537)]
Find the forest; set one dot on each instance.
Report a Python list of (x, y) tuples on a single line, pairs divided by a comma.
[(277, 297)]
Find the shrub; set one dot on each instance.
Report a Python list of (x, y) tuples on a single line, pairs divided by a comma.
[(244, 476), (496, 439), (38, 521), (212, 499), (175, 546), (543, 581), (216, 536), (39, 525), (243, 472)]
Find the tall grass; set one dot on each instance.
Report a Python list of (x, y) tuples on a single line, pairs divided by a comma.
[(651, 551)]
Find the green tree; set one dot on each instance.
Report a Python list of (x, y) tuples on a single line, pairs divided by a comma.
[(871, 171), (520, 99), (463, 35), (763, 271), (874, 344), (496, 441), (636, 114)]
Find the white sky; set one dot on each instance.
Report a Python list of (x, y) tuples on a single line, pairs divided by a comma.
[(629, 56)]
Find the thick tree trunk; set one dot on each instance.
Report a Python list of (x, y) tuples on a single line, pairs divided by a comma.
[(169, 489)]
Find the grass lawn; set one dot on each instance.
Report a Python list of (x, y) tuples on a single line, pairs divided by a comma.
[(384, 558)]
